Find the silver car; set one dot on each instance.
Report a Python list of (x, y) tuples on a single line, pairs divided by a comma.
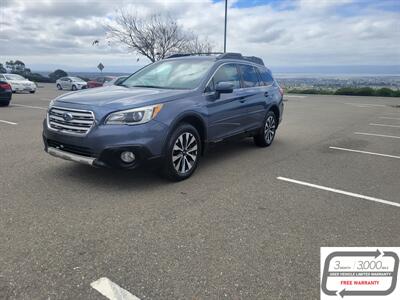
[(70, 83)]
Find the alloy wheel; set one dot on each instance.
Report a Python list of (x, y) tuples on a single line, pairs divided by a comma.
[(269, 129), (184, 153)]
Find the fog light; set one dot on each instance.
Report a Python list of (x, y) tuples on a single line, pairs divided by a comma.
[(127, 157)]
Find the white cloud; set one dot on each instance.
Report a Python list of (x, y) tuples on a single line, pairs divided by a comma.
[(304, 32)]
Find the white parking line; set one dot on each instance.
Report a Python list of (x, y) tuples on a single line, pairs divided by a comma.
[(321, 187), (294, 96), (389, 118), (365, 152), (28, 106), (8, 122), (384, 125), (365, 104), (112, 290), (376, 134)]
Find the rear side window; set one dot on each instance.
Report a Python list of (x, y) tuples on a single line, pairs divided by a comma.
[(266, 77), (226, 73), (249, 75)]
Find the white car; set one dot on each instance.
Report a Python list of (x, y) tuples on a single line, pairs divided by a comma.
[(19, 83), (71, 83)]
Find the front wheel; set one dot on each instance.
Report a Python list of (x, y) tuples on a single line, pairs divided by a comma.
[(74, 88), (266, 135), (183, 152), (32, 92)]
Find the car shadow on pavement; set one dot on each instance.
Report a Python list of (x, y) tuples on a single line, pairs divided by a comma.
[(143, 178)]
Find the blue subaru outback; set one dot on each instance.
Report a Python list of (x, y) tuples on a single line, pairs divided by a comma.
[(167, 112)]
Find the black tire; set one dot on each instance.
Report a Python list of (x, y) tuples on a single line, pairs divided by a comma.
[(4, 103), (74, 88), (32, 92), (184, 145), (267, 132), (59, 87)]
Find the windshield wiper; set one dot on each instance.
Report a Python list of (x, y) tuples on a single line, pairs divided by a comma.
[(150, 86)]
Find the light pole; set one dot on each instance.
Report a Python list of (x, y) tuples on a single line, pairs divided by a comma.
[(226, 21)]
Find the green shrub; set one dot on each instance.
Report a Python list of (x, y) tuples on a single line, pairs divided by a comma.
[(349, 91), (38, 77)]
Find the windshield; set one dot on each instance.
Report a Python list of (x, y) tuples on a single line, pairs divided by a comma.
[(171, 74), (14, 77), (76, 79)]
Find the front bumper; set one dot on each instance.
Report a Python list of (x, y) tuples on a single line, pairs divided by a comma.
[(22, 88), (103, 145), (70, 156)]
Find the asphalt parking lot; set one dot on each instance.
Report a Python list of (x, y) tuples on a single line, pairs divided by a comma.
[(248, 225)]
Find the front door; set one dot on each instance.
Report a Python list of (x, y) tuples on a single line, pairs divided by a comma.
[(226, 112)]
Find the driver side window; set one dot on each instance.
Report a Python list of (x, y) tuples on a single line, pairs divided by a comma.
[(226, 73)]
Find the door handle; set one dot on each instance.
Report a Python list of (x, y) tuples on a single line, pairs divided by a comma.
[(242, 99), (266, 94)]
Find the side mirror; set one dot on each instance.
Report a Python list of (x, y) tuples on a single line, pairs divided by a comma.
[(224, 88)]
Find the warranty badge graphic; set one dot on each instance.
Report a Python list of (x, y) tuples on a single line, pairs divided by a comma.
[(359, 272)]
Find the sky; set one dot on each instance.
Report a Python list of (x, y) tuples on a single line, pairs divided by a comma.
[(49, 34)]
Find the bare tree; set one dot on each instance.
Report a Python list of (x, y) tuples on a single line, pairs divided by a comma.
[(154, 37)]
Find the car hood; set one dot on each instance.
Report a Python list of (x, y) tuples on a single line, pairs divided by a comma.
[(118, 97)]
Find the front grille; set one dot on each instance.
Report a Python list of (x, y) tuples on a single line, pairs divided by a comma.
[(84, 151), (70, 120)]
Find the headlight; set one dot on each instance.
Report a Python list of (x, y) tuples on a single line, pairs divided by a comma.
[(134, 116)]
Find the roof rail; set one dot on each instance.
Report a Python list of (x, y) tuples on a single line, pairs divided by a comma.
[(230, 55), (253, 59), (193, 54)]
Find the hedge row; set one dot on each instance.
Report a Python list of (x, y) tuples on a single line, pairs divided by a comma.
[(350, 91)]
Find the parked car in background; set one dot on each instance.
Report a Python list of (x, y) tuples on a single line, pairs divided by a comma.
[(71, 83), (115, 81), (19, 83), (99, 81), (167, 112), (5, 93)]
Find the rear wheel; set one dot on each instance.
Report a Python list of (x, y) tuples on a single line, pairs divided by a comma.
[(59, 87), (4, 103), (266, 135), (183, 152)]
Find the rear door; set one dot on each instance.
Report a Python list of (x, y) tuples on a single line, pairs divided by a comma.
[(254, 95), (226, 112)]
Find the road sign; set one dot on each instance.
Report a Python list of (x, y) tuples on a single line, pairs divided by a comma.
[(100, 67)]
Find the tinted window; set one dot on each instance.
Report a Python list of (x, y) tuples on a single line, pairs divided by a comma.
[(99, 79), (226, 73), (266, 77), (249, 75)]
